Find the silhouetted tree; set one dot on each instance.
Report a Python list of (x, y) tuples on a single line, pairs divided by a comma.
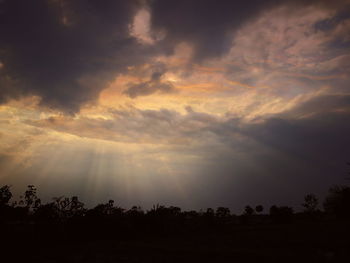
[(137, 211), (338, 201), (190, 214), (158, 210), (69, 207), (5, 195), (222, 212), (76, 207), (248, 210), (103, 210), (210, 212), (259, 208), (174, 210), (30, 199), (310, 203)]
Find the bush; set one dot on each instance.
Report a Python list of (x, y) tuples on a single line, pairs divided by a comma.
[(338, 201)]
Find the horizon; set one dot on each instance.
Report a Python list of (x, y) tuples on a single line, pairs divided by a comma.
[(18, 200)]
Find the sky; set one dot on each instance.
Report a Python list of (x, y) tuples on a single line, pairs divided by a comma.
[(189, 103)]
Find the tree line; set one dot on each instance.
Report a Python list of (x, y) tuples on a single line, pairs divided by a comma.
[(29, 208)]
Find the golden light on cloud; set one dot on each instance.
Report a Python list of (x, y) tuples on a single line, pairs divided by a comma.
[(141, 28), (181, 57)]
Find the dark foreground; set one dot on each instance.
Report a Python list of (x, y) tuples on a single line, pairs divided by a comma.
[(292, 242), (65, 231)]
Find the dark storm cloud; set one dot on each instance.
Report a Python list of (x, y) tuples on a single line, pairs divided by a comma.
[(318, 131), (209, 25), (300, 150), (155, 84), (64, 51), (279, 159), (203, 23), (306, 149)]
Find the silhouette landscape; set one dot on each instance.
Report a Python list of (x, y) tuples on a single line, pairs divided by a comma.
[(64, 230), (174, 131)]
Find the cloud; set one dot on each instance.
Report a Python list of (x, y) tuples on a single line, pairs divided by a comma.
[(313, 129), (270, 159), (47, 47), (210, 25), (66, 52), (133, 126), (155, 84), (278, 159), (141, 28)]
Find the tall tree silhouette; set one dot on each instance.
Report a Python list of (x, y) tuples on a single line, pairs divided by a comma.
[(30, 198)]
